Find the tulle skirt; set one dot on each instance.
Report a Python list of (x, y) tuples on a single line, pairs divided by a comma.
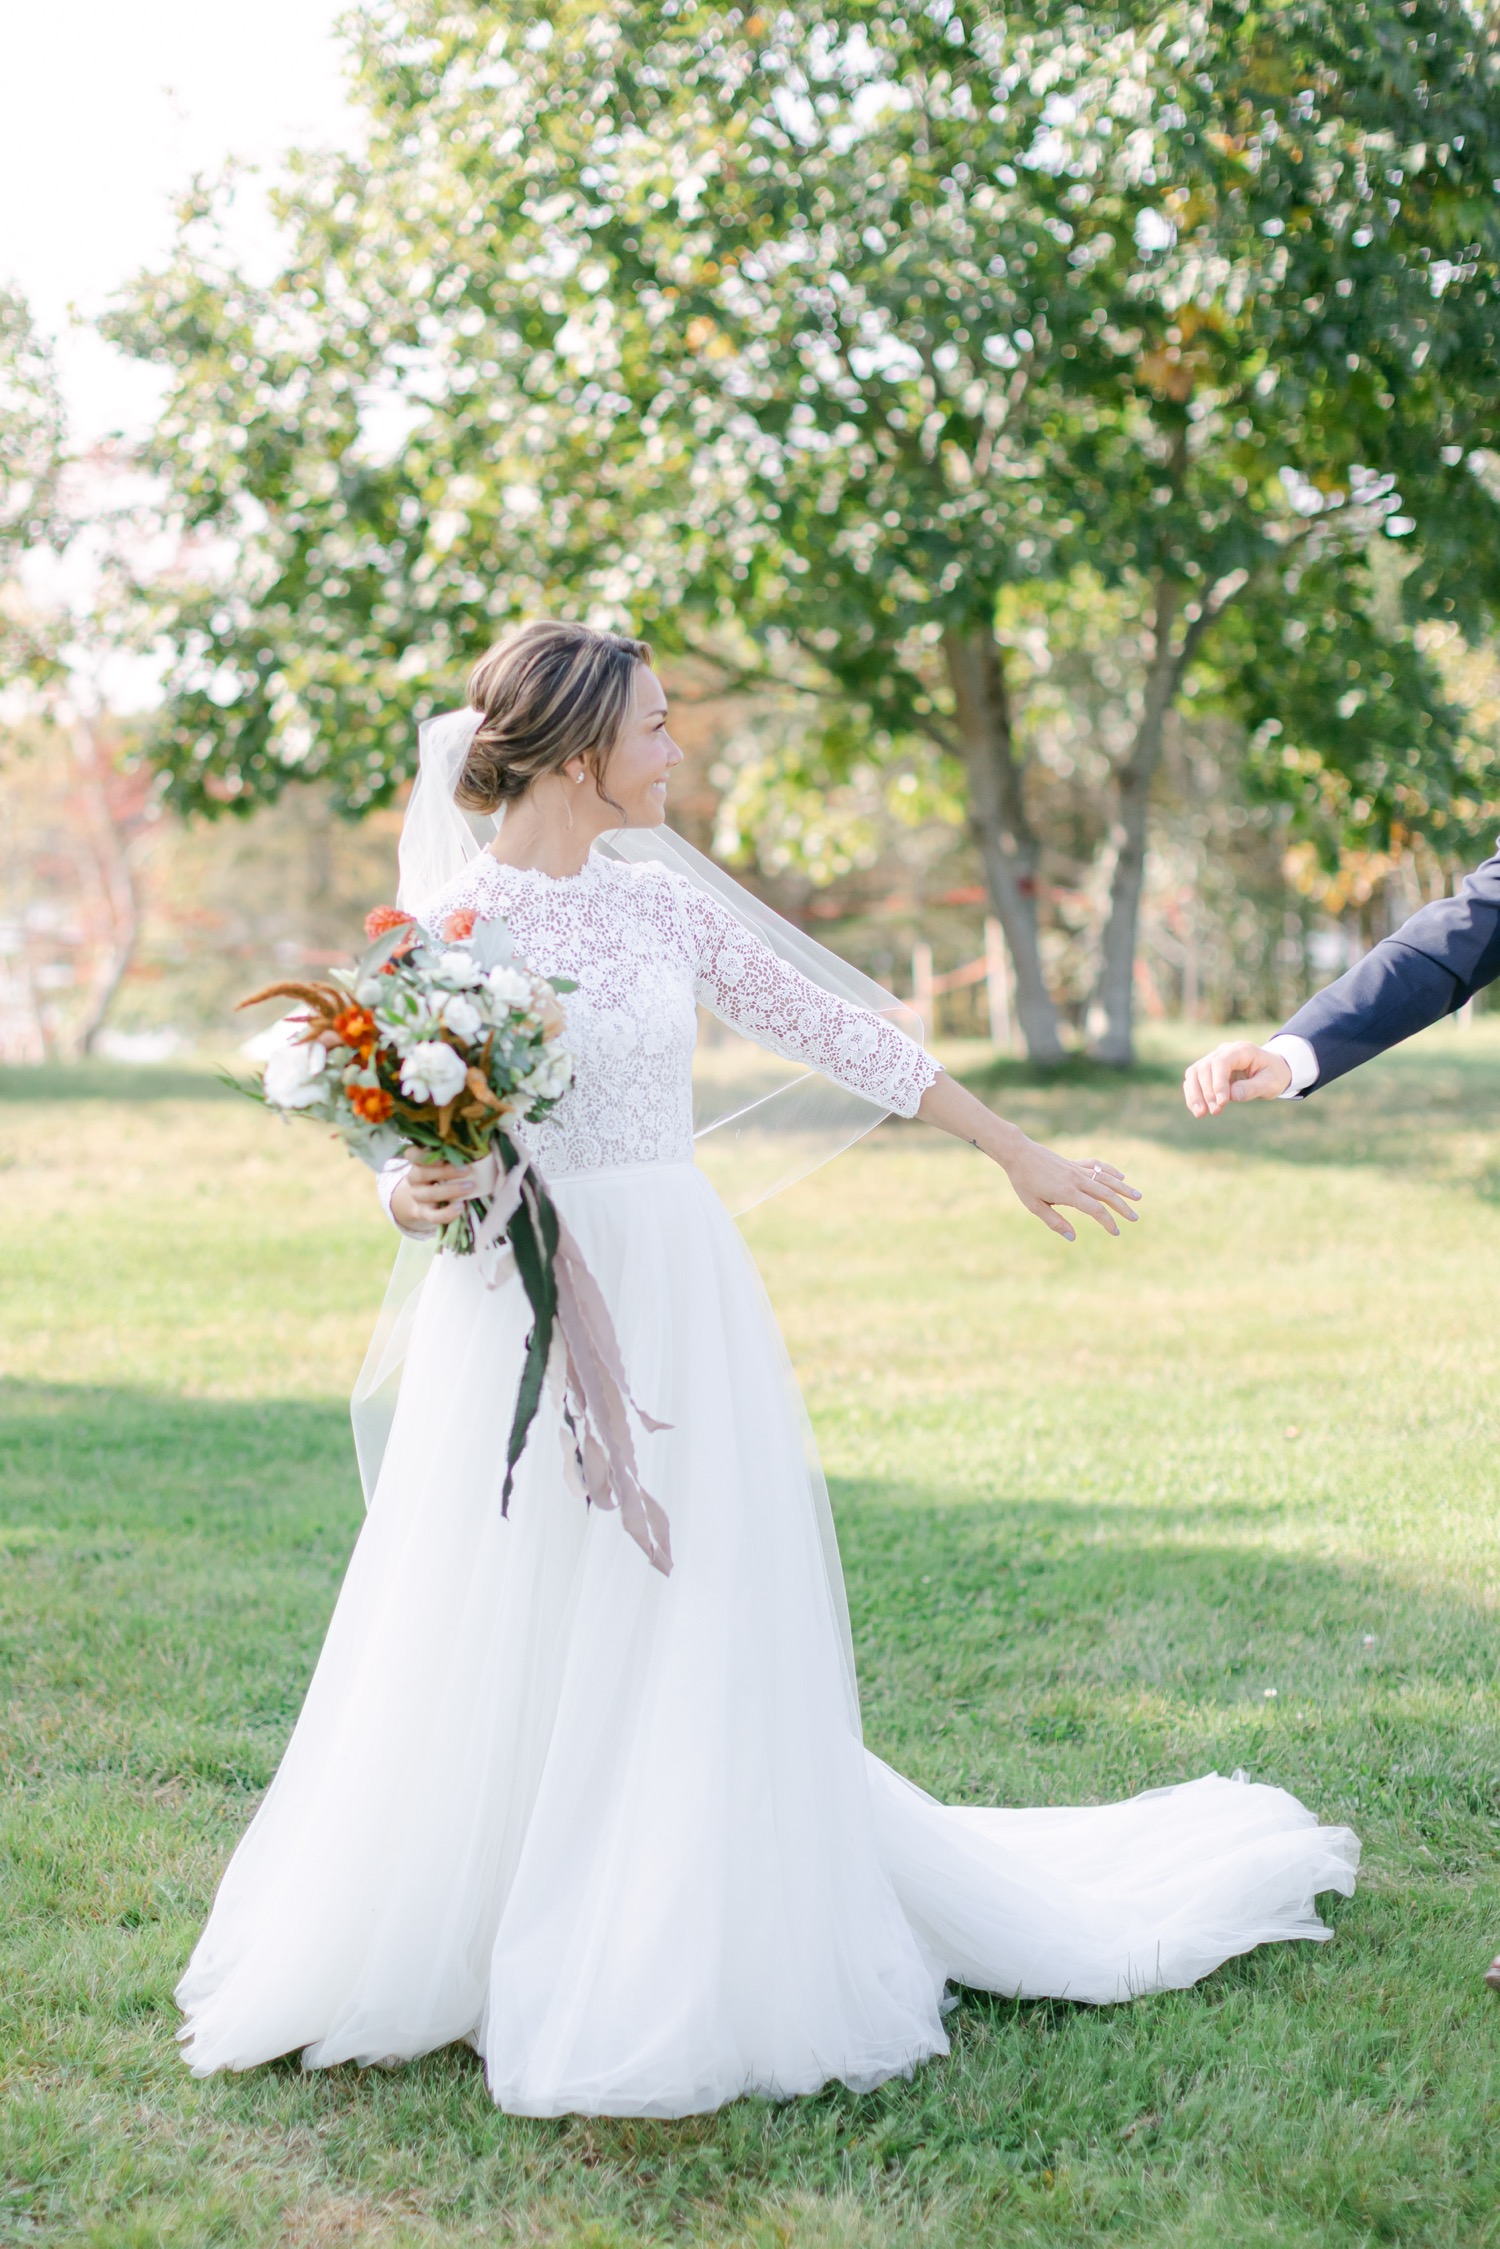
[(619, 1831)]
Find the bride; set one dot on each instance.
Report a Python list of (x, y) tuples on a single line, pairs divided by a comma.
[(617, 1828)]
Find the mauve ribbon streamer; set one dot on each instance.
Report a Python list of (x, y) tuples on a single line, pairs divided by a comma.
[(596, 1393)]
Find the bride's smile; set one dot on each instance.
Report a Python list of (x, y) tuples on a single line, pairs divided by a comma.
[(564, 812)]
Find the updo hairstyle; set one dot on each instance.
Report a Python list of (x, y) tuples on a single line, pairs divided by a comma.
[(547, 692)]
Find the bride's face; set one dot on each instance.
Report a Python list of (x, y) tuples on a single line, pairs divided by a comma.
[(635, 776)]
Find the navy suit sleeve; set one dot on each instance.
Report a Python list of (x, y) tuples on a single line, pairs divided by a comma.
[(1430, 966)]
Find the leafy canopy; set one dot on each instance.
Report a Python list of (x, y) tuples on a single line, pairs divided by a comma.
[(31, 465), (813, 331)]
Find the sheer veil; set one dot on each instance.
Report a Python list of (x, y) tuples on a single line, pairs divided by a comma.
[(759, 1123)]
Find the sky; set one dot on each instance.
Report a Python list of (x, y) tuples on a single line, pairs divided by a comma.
[(106, 112)]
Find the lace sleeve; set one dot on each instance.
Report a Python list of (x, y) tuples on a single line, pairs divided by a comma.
[(741, 980)]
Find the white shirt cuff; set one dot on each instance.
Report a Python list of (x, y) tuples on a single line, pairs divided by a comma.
[(1300, 1060)]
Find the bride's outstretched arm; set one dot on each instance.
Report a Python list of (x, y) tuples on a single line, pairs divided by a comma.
[(747, 984), (1044, 1182)]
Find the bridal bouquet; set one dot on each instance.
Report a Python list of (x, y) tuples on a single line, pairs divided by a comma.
[(432, 1044), (438, 1044)]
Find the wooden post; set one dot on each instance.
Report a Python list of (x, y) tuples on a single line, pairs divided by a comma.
[(997, 984), (923, 998)]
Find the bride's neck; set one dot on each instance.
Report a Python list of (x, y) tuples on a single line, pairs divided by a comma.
[(543, 831)]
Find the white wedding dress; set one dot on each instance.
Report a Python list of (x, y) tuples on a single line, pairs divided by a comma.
[(618, 1830)]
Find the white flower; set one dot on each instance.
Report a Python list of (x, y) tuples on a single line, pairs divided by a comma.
[(432, 1072), (462, 1018), (461, 968), (551, 1076), (293, 1077), (409, 1018), (509, 988)]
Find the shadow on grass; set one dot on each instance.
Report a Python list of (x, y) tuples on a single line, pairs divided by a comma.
[(77, 1459), (1142, 1594), (1011, 1650), (1015, 1650)]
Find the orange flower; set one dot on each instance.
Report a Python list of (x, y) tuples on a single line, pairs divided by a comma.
[(380, 920), (460, 924), (356, 1027), (371, 1102)]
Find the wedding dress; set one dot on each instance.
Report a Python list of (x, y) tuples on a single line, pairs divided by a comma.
[(617, 1829)]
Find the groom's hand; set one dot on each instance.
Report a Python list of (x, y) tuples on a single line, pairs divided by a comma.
[(1236, 1071)]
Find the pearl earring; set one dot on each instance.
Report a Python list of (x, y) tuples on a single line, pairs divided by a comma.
[(578, 776)]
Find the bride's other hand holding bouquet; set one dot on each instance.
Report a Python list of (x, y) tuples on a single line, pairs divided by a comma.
[(430, 1046), (437, 1045)]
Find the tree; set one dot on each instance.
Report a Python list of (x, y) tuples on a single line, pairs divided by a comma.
[(31, 465), (804, 337)]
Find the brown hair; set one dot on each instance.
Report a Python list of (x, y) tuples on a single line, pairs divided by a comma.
[(547, 692)]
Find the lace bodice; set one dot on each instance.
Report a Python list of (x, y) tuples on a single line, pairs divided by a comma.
[(645, 947)]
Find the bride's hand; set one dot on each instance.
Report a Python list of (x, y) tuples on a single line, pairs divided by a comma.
[(1045, 1183), (431, 1194)]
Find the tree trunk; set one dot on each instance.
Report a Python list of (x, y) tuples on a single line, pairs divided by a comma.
[(1116, 988), (999, 823)]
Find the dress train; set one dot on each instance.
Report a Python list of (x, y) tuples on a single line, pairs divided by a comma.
[(619, 1831)]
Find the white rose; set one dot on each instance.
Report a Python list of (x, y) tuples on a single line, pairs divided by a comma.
[(550, 1076), (507, 987), (460, 967), (462, 1018), (293, 1077), (433, 1072)]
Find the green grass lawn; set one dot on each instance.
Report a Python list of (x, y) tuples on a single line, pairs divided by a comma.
[(1220, 1494)]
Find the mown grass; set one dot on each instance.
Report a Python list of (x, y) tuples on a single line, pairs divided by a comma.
[(1094, 1503)]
